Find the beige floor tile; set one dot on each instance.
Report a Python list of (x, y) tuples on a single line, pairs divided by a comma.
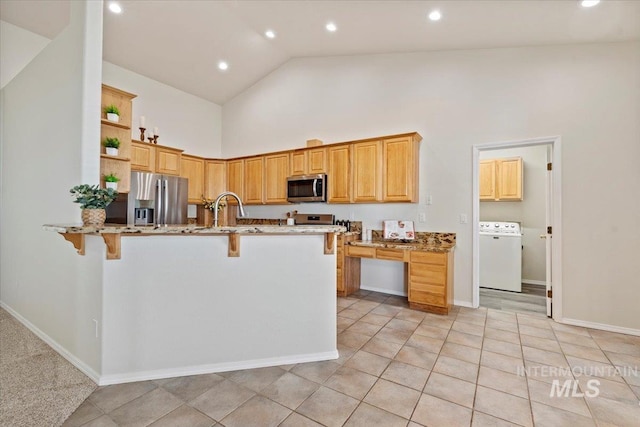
[(452, 389), (502, 405), (257, 412), (402, 325), (364, 328), (146, 409), (456, 368), (636, 390), (346, 302), (500, 335), (184, 416), (575, 339), (366, 416), (540, 343), (407, 375), (541, 392), (475, 320), (352, 339), (622, 347), (545, 373), (468, 328), (614, 412), (113, 396), (376, 319), (432, 331), (344, 353), (461, 352), (297, 420), (221, 399), (386, 310), (393, 335), (484, 420), (257, 379), (416, 357), (503, 326), (589, 353), (559, 327), (382, 348), (328, 407), (290, 390), (592, 367), (544, 356), (544, 415), (438, 322), (364, 305), (464, 339), (368, 362), (613, 390), (536, 332), (351, 382), (503, 381), (86, 412), (432, 411), (317, 371), (344, 322), (502, 347), (629, 366), (352, 313), (536, 322), (103, 421), (393, 398), (188, 388), (425, 343), (512, 365), (504, 316), (411, 315)]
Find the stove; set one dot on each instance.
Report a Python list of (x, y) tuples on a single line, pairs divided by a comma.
[(314, 219)]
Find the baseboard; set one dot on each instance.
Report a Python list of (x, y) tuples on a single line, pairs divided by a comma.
[(83, 367), (384, 291), (601, 326), (461, 303), (215, 368), (534, 282)]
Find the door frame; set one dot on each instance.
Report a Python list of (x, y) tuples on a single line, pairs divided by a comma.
[(556, 198)]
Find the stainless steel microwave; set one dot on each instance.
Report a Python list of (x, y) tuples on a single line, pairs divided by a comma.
[(307, 188)]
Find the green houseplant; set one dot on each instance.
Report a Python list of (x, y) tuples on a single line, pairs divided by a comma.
[(111, 181), (93, 200), (112, 112), (111, 145)]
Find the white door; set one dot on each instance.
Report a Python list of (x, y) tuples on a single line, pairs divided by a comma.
[(549, 219)]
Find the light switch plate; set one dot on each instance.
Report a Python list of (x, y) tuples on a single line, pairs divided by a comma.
[(422, 217), (463, 219)]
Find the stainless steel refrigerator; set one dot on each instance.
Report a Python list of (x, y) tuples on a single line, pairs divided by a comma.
[(157, 199)]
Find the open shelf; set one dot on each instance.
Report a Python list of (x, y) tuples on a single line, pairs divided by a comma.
[(122, 159), (118, 125)]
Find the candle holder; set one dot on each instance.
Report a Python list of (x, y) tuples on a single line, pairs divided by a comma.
[(155, 138), (150, 138), (142, 133)]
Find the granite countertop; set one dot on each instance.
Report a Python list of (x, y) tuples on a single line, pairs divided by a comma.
[(194, 229), (402, 245)]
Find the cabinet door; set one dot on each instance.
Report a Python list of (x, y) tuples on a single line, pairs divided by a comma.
[(168, 161), (316, 160), (215, 178), (276, 172), (339, 174), (298, 162), (367, 173), (487, 180), (253, 191), (509, 172), (235, 180), (400, 169), (192, 168)]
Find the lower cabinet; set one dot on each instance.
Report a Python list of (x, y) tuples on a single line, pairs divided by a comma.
[(431, 281), (347, 268)]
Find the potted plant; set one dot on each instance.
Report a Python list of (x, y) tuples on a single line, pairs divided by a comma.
[(111, 181), (112, 112), (93, 201), (111, 145)]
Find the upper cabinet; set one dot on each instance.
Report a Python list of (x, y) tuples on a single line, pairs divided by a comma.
[(309, 161), (253, 180), (168, 160), (215, 173), (276, 171), (192, 168), (501, 179), (143, 156), (299, 162), (339, 174), (400, 164), (367, 171), (235, 179)]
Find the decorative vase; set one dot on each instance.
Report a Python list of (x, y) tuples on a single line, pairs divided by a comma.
[(94, 217), (112, 117), (111, 151), (113, 185)]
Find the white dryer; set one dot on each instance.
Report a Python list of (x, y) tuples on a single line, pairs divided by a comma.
[(501, 256)]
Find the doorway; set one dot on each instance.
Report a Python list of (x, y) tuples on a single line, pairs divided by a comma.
[(543, 264)]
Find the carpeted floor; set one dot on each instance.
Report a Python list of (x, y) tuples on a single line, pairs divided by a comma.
[(38, 387)]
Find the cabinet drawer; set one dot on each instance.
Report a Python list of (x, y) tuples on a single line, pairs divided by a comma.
[(431, 288), (361, 252), (390, 254), (422, 297), (428, 274), (429, 257)]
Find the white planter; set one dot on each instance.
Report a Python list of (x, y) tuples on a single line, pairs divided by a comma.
[(113, 185), (111, 151), (112, 117)]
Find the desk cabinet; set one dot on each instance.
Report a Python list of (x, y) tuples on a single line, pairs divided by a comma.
[(347, 268)]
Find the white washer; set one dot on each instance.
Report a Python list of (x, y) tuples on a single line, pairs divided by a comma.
[(501, 255)]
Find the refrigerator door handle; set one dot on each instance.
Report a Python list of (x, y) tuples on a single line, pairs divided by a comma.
[(159, 202), (166, 201)]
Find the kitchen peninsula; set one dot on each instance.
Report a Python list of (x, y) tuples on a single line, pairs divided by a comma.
[(185, 300)]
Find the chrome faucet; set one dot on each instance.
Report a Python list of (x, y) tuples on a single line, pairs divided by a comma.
[(241, 214)]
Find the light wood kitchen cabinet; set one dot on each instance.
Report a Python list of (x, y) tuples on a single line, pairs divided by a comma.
[(400, 164), (253, 180), (501, 179), (276, 171), (367, 171), (168, 160), (316, 160), (339, 174), (347, 268), (235, 179), (192, 168), (430, 281), (299, 162), (143, 156), (215, 178)]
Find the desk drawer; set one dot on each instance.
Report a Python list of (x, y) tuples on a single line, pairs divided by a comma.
[(435, 274), (429, 257), (390, 254), (360, 252), (422, 297)]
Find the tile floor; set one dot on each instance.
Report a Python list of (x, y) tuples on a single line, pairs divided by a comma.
[(400, 367)]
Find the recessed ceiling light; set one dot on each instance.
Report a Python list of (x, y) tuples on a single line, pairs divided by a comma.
[(270, 34), (115, 7), (331, 27), (223, 65), (435, 15), (589, 3)]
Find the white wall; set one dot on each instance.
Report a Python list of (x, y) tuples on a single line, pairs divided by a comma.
[(17, 48), (45, 143), (587, 94), (530, 212)]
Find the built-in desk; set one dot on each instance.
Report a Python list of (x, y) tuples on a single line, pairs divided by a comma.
[(428, 269)]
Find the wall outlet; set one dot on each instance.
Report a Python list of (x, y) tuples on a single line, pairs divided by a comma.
[(463, 219), (422, 217)]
